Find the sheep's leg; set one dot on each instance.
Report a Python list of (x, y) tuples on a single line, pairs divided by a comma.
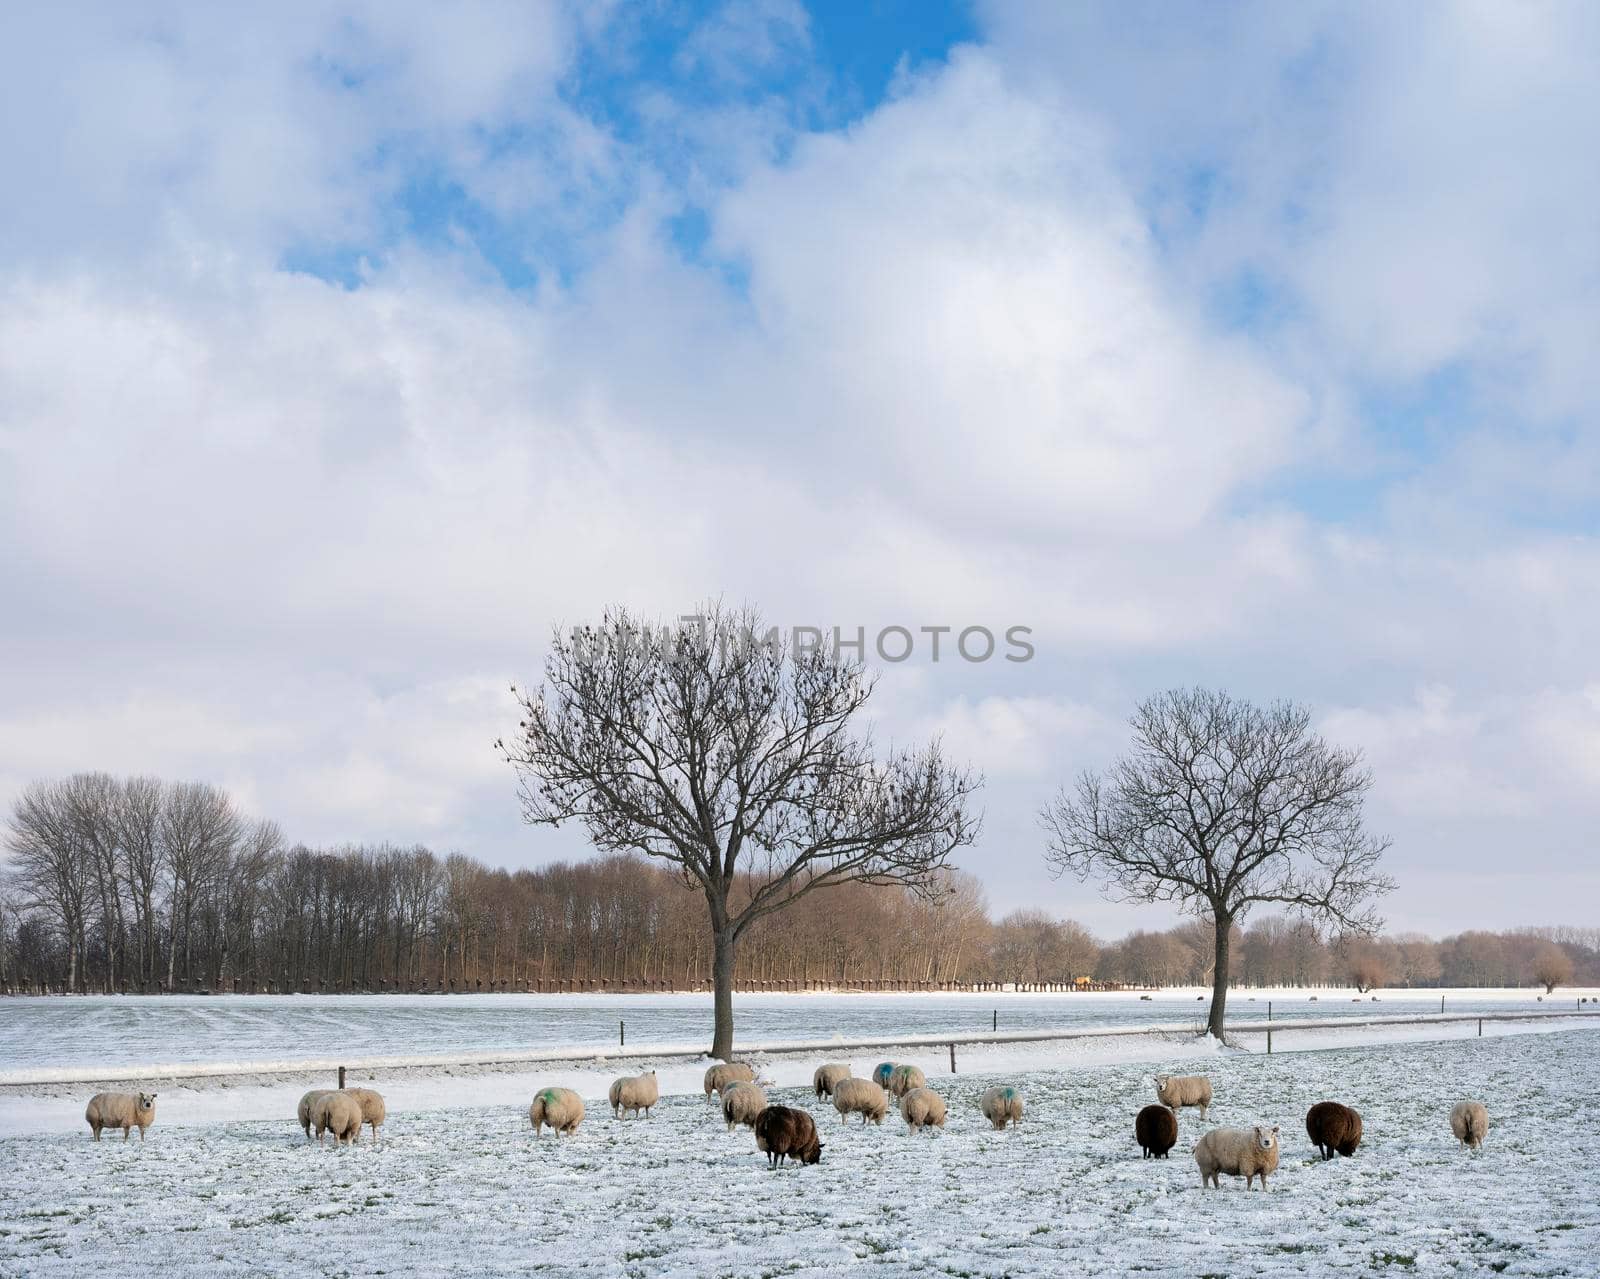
[(124, 1132), (95, 1129)]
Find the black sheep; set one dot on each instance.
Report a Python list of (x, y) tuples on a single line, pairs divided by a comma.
[(785, 1132), (1157, 1131), (1333, 1127)]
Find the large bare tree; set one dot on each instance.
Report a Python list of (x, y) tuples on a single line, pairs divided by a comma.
[(718, 748), (50, 863), (1221, 805)]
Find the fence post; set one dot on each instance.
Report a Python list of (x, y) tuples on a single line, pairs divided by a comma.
[(1269, 1041), (622, 1034), (952, 1059), (1441, 1003), (1480, 1028), (996, 1025), (1269, 1010), (341, 1078)]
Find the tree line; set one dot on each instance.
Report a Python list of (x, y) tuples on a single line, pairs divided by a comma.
[(136, 884)]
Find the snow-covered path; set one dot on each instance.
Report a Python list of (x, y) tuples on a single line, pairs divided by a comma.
[(469, 1190)]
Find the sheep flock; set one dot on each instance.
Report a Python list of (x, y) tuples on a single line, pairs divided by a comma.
[(789, 1133)]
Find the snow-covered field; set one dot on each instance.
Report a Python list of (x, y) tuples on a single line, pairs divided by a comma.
[(461, 1186), (145, 1031)]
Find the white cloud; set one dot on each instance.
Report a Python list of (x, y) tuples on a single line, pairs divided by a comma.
[(294, 537)]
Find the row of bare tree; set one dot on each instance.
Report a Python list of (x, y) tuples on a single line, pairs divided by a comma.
[(135, 884)]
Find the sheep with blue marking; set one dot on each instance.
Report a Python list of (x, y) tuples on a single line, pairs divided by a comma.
[(1001, 1105)]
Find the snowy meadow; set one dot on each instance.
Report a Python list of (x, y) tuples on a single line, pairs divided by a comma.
[(459, 1183)]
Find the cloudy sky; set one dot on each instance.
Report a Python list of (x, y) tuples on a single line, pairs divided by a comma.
[(346, 348)]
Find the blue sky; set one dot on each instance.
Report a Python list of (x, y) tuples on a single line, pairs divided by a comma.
[(347, 349)]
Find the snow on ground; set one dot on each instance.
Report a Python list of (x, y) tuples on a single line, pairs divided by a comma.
[(170, 1029), (467, 1189)]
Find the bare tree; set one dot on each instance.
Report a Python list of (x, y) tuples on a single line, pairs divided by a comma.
[(719, 751), (199, 826), (138, 822), (92, 800), (50, 864), (1552, 967), (1365, 962), (1219, 806)]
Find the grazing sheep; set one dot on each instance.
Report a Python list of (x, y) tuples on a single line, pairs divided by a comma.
[(1001, 1106), (341, 1113), (1470, 1123), (124, 1110), (1239, 1152), (1156, 1130), (829, 1075), (724, 1073), (372, 1110), (1176, 1091), (882, 1071), (741, 1103), (561, 1108), (635, 1093), (304, 1110), (862, 1097), (1333, 1127), (785, 1133), (922, 1108), (902, 1079)]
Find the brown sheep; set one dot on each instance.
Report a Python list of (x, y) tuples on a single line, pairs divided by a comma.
[(1333, 1127), (339, 1113), (1156, 1130), (304, 1111), (1470, 1123), (373, 1110), (783, 1132), (124, 1110), (828, 1075)]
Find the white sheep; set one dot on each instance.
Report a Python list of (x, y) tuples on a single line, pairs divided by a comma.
[(124, 1110), (1239, 1152), (1001, 1105), (828, 1075), (1470, 1123), (372, 1108), (902, 1079), (862, 1097), (304, 1109), (1176, 1091), (922, 1108), (724, 1073), (561, 1108), (742, 1101), (340, 1113), (634, 1093)]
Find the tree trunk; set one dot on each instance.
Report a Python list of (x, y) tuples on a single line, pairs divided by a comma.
[(1216, 1023), (722, 979)]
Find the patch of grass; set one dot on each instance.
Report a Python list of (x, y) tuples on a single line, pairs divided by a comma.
[(1406, 1259)]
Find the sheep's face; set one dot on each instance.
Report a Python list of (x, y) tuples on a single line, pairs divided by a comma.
[(1266, 1138), (812, 1153), (147, 1101), (1161, 1082)]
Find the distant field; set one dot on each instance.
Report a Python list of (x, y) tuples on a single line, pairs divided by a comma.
[(142, 1031), (469, 1190)]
